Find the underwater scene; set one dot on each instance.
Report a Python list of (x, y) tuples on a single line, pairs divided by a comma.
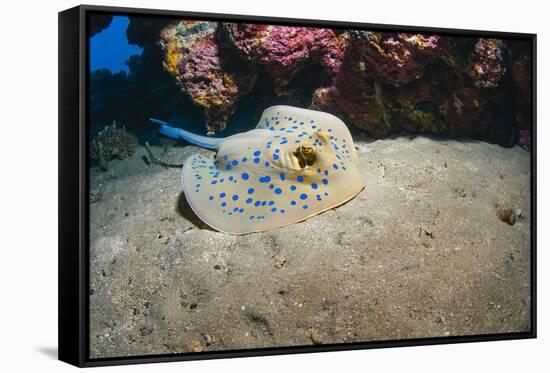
[(260, 186)]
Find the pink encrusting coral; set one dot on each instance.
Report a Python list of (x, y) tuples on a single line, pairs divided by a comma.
[(284, 50), (487, 66), (395, 59), (379, 82), (194, 58), (373, 64)]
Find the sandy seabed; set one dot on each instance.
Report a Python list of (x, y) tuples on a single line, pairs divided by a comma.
[(419, 253)]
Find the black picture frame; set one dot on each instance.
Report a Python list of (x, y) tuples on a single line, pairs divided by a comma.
[(74, 188)]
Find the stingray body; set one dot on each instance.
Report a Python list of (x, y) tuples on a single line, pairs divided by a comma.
[(295, 164)]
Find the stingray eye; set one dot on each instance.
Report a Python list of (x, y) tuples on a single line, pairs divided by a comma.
[(306, 155), (307, 150)]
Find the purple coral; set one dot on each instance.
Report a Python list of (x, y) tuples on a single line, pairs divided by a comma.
[(373, 64), (380, 82), (194, 58), (283, 50), (525, 138), (395, 59)]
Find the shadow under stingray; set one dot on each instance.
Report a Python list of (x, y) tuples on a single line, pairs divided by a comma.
[(185, 211)]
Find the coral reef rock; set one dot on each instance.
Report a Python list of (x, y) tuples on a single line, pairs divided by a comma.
[(373, 65), (395, 59), (487, 66), (112, 143), (521, 75), (203, 70), (380, 82), (284, 50), (426, 84)]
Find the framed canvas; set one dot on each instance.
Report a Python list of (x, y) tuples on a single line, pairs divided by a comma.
[(235, 186)]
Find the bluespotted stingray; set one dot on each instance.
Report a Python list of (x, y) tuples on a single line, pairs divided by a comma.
[(295, 164)]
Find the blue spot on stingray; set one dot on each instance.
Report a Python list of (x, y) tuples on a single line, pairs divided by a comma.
[(303, 196), (251, 217), (266, 164), (264, 203), (300, 178), (230, 178), (283, 142), (274, 209), (278, 191), (257, 203), (235, 162), (235, 197), (214, 182), (282, 211), (249, 200), (304, 207), (271, 186), (335, 166), (314, 186), (241, 210), (275, 156), (326, 194), (250, 190), (277, 150), (282, 176), (265, 179), (228, 167), (235, 209), (293, 203), (326, 172), (256, 160), (325, 181), (244, 176), (318, 170), (271, 203), (211, 198), (244, 160), (225, 157), (224, 204), (222, 195), (257, 153), (293, 187)]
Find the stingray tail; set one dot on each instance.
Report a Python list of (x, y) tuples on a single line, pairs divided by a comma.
[(180, 134)]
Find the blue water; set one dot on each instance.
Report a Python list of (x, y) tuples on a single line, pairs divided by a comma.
[(110, 49)]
